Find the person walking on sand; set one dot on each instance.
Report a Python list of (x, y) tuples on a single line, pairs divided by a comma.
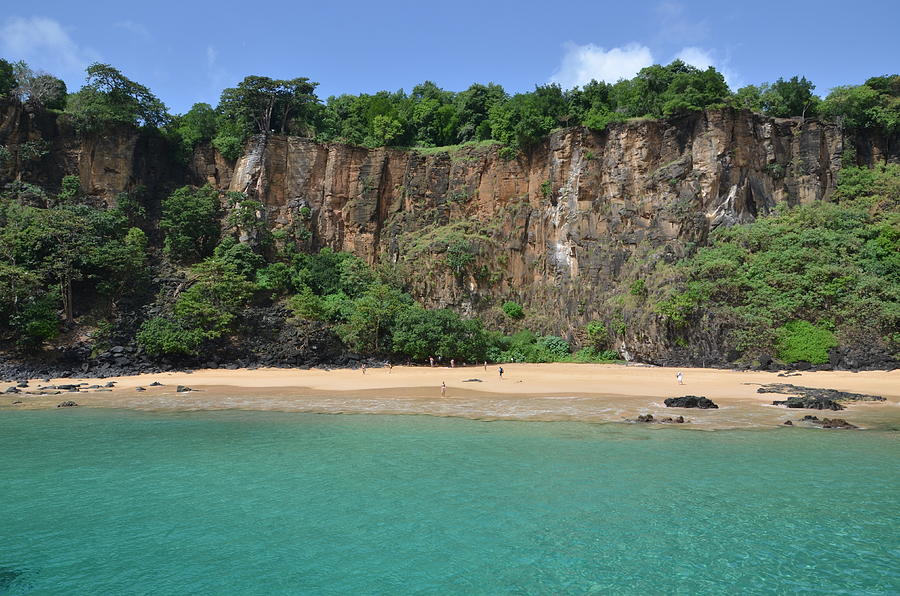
[(452, 363), (443, 389), (680, 376), (500, 370), (390, 367), (485, 366), (364, 368)]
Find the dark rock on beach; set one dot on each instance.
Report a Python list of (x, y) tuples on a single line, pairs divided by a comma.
[(183, 389), (67, 404), (832, 394), (814, 398), (809, 403), (648, 418), (827, 422), (691, 401)]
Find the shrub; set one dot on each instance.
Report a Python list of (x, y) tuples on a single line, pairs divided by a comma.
[(597, 333), (638, 288), (306, 305), (277, 277), (513, 310), (589, 354), (159, 337), (37, 322), (70, 188), (557, 346), (802, 341)]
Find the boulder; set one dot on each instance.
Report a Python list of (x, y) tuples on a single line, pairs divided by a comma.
[(183, 389), (809, 403), (67, 404), (691, 401)]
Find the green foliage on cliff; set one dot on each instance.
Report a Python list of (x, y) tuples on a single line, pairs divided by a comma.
[(787, 276), (7, 78), (874, 105), (190, 222)]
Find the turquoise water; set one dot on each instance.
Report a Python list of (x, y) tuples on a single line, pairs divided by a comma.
[(112, 502)]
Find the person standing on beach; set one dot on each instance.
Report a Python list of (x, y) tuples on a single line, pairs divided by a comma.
[(364, 368), (680, 376), (485, 366), (443, 389), (452, 363), (390, 367), (431, 361), (500, 370)]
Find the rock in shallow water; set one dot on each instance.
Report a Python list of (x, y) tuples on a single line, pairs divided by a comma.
[(67, 404), (691, 401)]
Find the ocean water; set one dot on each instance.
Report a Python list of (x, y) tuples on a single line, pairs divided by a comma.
[(117, 502)]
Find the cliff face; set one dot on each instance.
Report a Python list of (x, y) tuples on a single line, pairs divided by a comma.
[(107, 164), (561, 229), (557, 229)]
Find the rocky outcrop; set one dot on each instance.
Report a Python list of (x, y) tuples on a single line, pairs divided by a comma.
[(118, 160), (691, 401), (814, 396)]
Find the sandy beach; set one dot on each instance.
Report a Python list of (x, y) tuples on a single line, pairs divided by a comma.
[(583, 392)]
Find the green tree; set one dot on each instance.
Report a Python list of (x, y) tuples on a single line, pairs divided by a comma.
[(190, 222), (420, 333), (367, 329), (197, 125), (794, 97), (110, 99), (7, 78), (215, 298)]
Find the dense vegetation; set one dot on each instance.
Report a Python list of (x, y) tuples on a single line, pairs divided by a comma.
[(797, 281), (429, 116)]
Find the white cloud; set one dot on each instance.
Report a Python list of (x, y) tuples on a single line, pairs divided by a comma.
[(44, 44), (696, 57), (581, 63)]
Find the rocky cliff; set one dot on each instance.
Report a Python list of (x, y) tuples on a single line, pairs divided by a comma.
[(562, 228)]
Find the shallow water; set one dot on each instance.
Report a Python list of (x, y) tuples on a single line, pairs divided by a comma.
[(118, 502)]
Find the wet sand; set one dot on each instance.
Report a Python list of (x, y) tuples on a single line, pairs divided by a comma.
[(583, 392)]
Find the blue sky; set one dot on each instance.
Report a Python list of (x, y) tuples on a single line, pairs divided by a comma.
[(187, 52)]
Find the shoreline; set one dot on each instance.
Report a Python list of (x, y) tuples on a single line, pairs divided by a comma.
[(539, 392)]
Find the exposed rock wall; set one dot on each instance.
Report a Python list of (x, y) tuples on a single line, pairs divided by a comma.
[(555, 228), (107, 164)]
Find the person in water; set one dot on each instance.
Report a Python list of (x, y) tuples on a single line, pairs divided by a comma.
[(500, 370)]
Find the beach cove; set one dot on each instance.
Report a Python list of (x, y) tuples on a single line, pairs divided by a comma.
[(538, 392)]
